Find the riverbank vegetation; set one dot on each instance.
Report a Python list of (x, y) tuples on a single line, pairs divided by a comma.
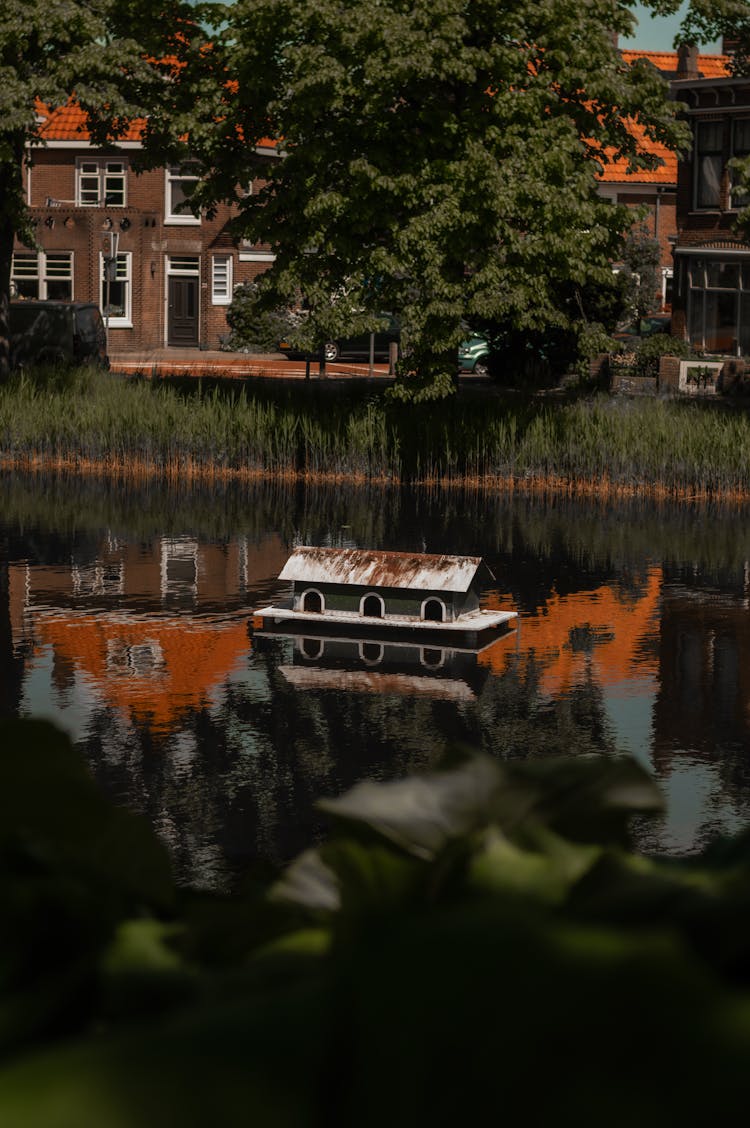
[(191, 430), (479, 922)]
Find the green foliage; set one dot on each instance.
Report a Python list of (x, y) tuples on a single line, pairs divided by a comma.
[(318, 429), (485, 922), (255, 327), (440, 159), (121, 59), (642, 258), (649, 351)]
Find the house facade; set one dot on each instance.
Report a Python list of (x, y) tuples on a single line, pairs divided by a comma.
[(104, 233), (711, 254), (652, 193)]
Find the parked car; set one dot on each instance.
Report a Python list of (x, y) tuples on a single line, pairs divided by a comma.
[(64, 333), (358, 347), (650, 325), (474, 355)]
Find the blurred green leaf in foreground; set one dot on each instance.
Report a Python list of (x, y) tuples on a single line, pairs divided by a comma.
[(467, 945)]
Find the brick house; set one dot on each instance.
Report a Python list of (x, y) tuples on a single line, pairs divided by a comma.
[(655, 190), (173, 275), (712, 259)]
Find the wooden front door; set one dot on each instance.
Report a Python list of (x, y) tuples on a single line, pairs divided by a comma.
[(182, 322)]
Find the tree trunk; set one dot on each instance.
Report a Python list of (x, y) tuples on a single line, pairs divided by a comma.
[(13, 218), (6, 255)]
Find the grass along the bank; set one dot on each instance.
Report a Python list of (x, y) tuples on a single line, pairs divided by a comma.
[(616, 445)]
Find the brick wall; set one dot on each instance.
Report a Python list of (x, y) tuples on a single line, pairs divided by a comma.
[(145, 233)]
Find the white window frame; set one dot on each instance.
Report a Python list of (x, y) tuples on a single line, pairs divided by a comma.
[(97, 170), (124, 274), (221, 287), (43, 277), (173, 173)]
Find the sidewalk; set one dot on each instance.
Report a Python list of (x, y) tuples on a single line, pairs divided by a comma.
[(159, 363)]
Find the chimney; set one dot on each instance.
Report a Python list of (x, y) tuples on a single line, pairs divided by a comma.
[(687, 61), (729, 46)]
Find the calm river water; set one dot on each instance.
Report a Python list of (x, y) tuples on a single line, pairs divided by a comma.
[(124, 616)]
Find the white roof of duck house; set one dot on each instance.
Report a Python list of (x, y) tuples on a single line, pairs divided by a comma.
[(365, 568)]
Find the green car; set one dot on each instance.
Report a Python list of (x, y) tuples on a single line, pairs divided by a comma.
[(474, 355)]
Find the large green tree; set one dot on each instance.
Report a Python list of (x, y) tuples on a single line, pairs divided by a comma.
[(439, 158), (120, 59)]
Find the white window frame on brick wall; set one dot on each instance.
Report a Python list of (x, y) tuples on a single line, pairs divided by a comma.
[(174, 175), (101, 182), (44, 268), (124, 276), (221, 279)]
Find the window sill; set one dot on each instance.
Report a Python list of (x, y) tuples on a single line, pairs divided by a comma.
[(181, 221)]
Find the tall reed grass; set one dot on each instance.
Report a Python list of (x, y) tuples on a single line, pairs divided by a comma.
[(679, 449)]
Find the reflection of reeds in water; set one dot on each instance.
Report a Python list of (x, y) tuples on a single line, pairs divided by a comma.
[(190, 432), (590, 532)]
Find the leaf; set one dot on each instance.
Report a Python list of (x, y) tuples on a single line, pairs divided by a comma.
[(310, 883), (422, 814)]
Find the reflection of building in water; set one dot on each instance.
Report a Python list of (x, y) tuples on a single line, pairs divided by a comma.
[(605, 628), (133, 620), (386, 666), (704, 653)]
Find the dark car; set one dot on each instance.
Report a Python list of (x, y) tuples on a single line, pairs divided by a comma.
[(61, 333), (358, 347)]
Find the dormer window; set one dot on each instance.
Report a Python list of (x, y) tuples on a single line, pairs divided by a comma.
[(101, 182)]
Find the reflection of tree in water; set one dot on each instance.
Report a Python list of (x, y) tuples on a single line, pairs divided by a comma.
[(234, 789), (518, 721)]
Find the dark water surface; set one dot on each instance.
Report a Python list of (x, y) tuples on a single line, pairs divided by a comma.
[(124, 617)]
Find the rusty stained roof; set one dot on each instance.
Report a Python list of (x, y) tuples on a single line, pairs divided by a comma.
[(366, 568)]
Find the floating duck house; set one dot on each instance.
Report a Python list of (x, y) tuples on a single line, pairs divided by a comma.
[(387, 589)]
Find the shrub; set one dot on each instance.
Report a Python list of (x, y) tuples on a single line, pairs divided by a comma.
[(254, 328), (649, 351)]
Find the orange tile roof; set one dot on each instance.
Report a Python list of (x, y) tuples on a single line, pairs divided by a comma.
[(616, 172), (666, 173), (68, 123), (710, 66)]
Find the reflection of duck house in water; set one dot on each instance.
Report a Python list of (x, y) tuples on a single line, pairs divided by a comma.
[(357, 593), (389, 666)]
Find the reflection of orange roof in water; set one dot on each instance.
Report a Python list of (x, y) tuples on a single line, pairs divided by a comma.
[(614, 659), (181, 661)]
